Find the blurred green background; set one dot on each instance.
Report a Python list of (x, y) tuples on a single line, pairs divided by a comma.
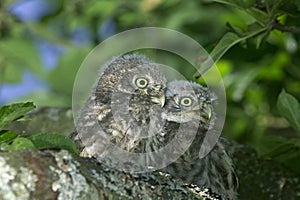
[(43, 43)]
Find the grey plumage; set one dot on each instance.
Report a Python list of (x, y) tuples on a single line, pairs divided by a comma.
[(123, 106), (214, 170), (124, 109), (188, 114)]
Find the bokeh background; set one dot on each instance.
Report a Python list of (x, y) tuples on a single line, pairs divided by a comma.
[(43, 42)]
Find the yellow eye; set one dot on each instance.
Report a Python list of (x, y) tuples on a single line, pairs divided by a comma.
[(141, 82), (186, 101)]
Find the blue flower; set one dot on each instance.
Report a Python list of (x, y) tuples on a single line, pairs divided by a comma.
[(30, 83), (33, 10), (107, 29)]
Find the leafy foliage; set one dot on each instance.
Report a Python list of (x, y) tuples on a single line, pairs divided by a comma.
[(10, 141)]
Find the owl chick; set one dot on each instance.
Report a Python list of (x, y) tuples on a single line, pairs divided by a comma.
[(123, 107), (188, 102), (187, 116)]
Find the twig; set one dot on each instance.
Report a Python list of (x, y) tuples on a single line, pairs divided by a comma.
[(291, 29)]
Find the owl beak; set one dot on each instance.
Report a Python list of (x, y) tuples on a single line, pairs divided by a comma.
[(207, 111), (157, 93), (159, 100)]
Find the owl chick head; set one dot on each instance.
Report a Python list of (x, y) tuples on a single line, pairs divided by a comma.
[(187, 101), (132, 74), (144, 81)]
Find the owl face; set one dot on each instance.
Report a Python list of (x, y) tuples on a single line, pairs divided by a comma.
[(186, 101), (145, 82)]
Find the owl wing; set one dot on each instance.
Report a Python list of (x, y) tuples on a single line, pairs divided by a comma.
[(89, 135)]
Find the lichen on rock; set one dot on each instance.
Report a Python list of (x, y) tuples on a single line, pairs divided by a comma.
[(16, 183), (70, 183)]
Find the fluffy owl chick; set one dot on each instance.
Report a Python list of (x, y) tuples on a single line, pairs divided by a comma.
[(186, 104), (123, 107)]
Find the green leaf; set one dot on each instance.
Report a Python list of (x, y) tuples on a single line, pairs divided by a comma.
[(19, 143), (227, 42), (7, 136), (11, 112), (53, 140), (289, 108)]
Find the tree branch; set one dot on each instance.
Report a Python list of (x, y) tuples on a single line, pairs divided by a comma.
[(51, 174), (60, 175), (291, 29)]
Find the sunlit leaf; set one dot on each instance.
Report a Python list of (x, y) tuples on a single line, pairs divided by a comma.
[(11, 112)]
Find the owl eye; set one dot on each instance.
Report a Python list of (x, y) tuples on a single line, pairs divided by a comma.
[(141, 82), (186, 101)]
